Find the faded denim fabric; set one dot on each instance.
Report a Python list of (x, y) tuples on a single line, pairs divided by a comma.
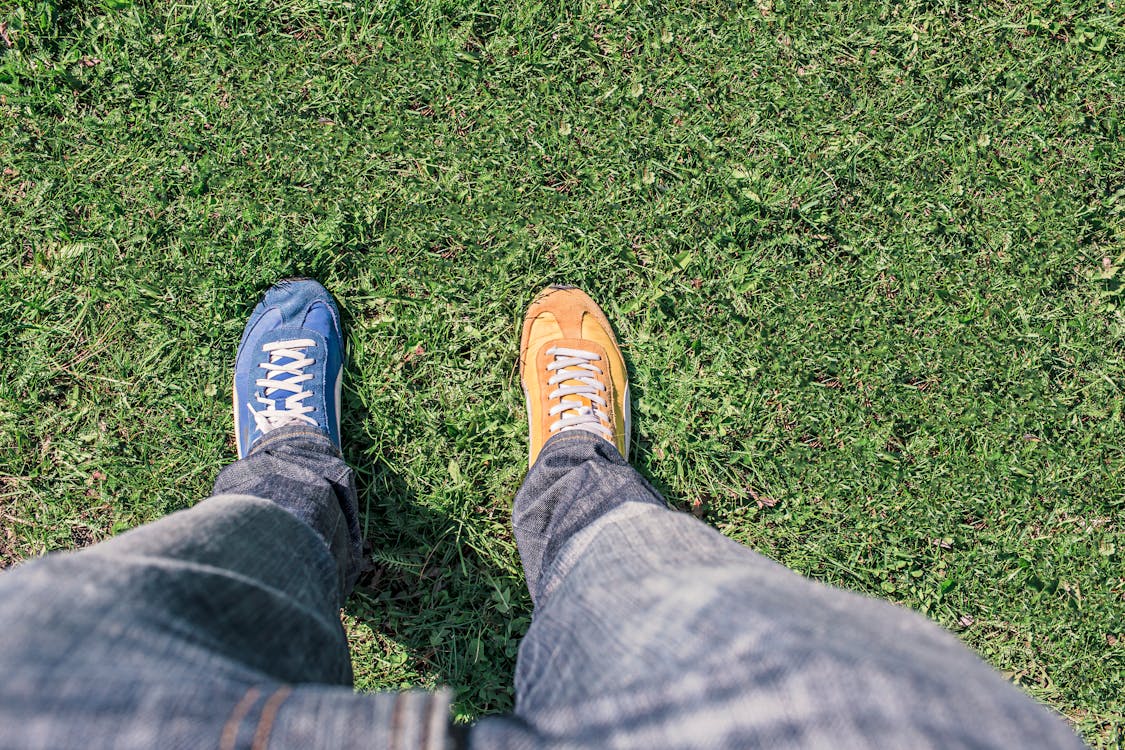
[(216, 627), (219, 627), (299, 469), (653, 630)]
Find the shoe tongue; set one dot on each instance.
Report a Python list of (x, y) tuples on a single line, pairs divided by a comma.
[(587, 405), (582, 410), (277, 377), (285, 334)]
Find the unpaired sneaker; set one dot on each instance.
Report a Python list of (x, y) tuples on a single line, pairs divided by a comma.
[(572, 371), (289, 368)]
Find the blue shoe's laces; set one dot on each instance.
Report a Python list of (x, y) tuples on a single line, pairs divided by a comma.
[(283, 377)]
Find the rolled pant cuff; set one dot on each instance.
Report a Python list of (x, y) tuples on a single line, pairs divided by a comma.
[(294, 434)]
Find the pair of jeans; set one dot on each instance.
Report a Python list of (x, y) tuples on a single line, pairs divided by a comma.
[(219, 626)]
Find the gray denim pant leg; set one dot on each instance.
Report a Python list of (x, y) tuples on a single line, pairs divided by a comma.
[(653, 630), (300, 470), (215, 627)]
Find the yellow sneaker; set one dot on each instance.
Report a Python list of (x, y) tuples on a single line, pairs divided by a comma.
[(572, 371)]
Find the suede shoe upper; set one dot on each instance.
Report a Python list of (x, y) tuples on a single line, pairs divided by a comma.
[(290, 364), (572, 370)]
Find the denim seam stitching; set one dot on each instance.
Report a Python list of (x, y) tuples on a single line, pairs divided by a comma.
[(228, 738), (268, 716)]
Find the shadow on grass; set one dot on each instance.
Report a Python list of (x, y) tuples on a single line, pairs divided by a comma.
[(439, 612), (434, 610)]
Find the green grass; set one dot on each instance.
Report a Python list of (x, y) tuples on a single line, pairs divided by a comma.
[(864, 258)]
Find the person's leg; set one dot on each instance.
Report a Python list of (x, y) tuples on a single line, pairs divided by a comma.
[(651, 629), (214, 627)]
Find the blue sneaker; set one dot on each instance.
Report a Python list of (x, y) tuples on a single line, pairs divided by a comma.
[(290, 364)]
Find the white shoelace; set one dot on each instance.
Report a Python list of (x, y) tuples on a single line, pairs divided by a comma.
[(576, 375), (292, 410)]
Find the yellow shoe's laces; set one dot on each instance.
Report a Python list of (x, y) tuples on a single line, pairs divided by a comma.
[(576, 375)]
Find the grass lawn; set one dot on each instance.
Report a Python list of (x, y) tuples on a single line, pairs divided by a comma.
[(865, 258)]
